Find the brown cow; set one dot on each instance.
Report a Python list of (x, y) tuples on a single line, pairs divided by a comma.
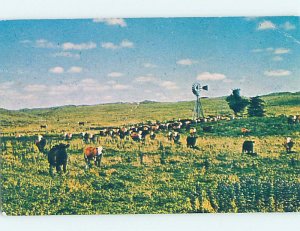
[(95, 154)]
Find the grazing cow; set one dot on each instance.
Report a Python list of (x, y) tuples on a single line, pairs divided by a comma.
[(68, 136), (94, 154), (170, 136), (41, 143), (136, 136), (207, 128), (191, 141), (152, 135), (86, 137), (81, 123), (176, 138), (245, 131), (123, 132), (288, 144), (58, 157), (248, 147), (193, 131), (103, 132), (44, 126), (93, 138)]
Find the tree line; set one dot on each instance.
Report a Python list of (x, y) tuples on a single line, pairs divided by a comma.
[(237, 104)]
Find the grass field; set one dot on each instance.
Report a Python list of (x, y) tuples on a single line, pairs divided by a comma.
[(153, 178)]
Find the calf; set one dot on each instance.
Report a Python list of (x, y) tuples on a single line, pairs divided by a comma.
[(170, 136), (68, 136), (136, 136), (58, 157), (41, 143), (191, 141), (245, 131), (152, 135), (176, 138), (288, 144), (207, 128), (193, 131), (94, 154), (248, 147)]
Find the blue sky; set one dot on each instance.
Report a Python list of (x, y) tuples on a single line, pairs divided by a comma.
[(47, 63)]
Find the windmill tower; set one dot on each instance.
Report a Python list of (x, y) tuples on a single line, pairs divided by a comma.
[(196, 89)]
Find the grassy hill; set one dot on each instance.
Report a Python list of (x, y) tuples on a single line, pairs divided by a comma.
[(129, 113)]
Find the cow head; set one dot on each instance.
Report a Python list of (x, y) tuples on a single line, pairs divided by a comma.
[(99, 149)]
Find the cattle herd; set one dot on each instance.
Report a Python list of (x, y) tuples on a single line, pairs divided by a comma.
[(57, 156)]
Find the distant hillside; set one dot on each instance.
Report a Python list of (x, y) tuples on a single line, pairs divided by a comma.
[(127, 113)]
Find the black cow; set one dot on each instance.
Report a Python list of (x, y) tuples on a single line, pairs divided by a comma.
[(41, 143), (81, 123), (207, 128), (44, 126), (191, 141), (248, 147), (288, 144), (152, 136), (176, 138), (58, 157)]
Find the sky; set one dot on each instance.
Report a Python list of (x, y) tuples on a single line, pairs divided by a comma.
[(46, 63)]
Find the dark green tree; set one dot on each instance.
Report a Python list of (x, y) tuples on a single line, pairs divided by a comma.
[(236, 102), (256, 107)]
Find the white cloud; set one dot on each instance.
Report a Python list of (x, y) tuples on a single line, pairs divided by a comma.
[(6, 85), (115, 74), (111, 21), (123, 44), (145, 79), (279, 72), (169, 85), (126, 44), (111, 82), (266, 25), (186, 62), (35, 87), (66, 54), (120, 87), (25, 41), (75, 69), (88, 81), (43, 43), (109, 45), (57, 70), (80, 46), (279, 51), (277, 58), (211, 76), (288, 26), (149, 65)]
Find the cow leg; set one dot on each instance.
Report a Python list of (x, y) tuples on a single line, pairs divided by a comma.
[(88, 164), (99, 161), (65, 167), (58, 168), (51, 171)]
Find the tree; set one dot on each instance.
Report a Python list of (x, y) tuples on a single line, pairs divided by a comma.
[(236, 102), (256, 107)]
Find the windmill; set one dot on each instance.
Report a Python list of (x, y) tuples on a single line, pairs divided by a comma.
[(196, 89)]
